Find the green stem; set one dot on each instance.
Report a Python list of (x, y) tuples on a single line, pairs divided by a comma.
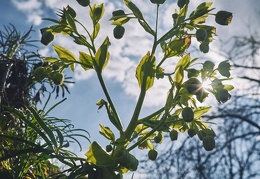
[(118, 121), (149, 133), (151, 115), (161, 62), (134, 120)]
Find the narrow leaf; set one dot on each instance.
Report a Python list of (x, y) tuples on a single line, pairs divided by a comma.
[(51, 59), (70, 21), (145, 72), (97, 156), (102, 55), (46, 129), (134, 9), (86, 61), (63, 53), (97, 12), (107, 132), (200, 111), (95, 31), (183, 62), (146, 27)]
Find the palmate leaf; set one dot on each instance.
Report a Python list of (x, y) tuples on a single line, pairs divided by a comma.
[(145, 71)]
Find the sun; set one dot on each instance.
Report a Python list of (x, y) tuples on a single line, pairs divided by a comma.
[(206, 84)]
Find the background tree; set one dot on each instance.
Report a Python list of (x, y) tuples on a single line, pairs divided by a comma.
[(237, 153), (28, 136)]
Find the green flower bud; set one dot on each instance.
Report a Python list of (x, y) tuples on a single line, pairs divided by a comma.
[(201, 135), (201, 95), (224, 68), (201, 34), (152, 154), (39, 74), (191, 132), (158, 139), (118, 13), (175, 16), (57, 78), (204, 47), (119, 31), (173, 135), (208, 65), (83, 3), (208, 143), (192, 72), (47, 36), (187, 114), (223, 17), (109, 148), (181, 3), (223, 95), (55, 67), (157, 1), (193, 86)]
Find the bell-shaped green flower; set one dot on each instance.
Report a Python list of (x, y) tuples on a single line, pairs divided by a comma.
[(223, 17)]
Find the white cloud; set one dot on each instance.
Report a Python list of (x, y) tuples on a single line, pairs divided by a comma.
[(28, 5), (32, 10)]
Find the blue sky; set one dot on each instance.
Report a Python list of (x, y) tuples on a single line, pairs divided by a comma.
[(119, 76)]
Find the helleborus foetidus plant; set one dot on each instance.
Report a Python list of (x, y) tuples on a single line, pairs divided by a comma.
[(182, 111)]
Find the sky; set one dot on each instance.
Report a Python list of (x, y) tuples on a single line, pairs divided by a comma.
[(80, 107)]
